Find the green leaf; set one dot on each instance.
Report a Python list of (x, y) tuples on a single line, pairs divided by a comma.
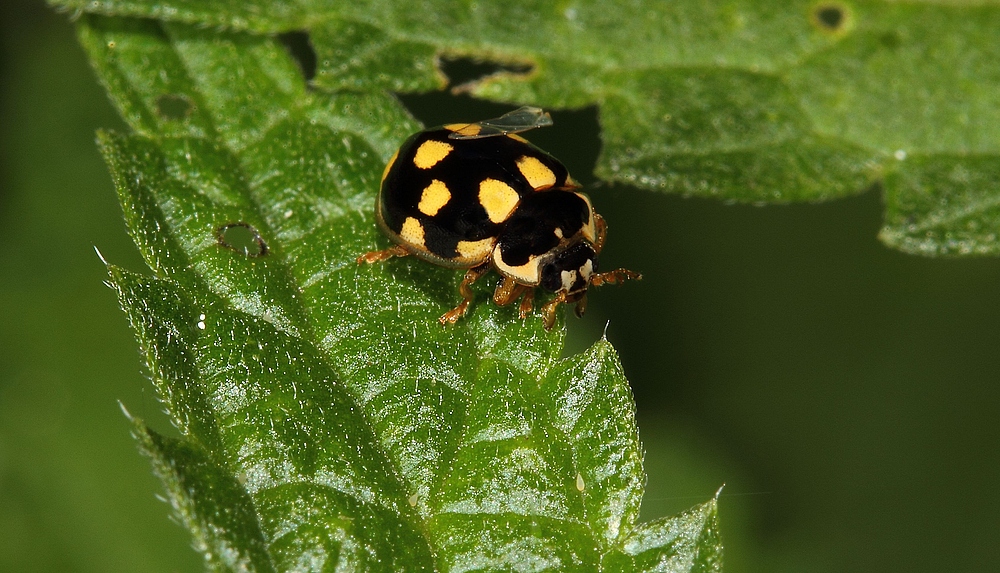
[(293, 447), (738, 99), (687, 542), (944, 205), (327, 420), (209, 502)]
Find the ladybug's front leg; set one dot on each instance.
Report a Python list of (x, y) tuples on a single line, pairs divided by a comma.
[(471, 275), (602, 232), (614, 277), (507, 292), (524, 309), (549, 310)]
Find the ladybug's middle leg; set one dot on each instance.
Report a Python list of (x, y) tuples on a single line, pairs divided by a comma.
[(471, 275)]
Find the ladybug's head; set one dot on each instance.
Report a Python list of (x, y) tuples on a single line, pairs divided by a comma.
[(570, 270)]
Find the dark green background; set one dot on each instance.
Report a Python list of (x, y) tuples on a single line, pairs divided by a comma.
[(844, 393)]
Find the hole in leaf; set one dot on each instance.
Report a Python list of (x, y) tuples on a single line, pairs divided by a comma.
[(830, 17), (300, 48), (174, 107), (464, 71), (242, 238)]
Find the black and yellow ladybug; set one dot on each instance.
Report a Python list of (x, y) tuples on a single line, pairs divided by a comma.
[(477, 196)]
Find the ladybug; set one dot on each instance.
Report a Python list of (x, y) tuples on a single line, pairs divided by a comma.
[(478, 196)]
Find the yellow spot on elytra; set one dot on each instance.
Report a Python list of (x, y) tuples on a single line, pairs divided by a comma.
[(517, 137), (430, 153), (474, 251), (412, 232), (465, 129), (388, 166), (538, 175), (498, 198), (435, 196)]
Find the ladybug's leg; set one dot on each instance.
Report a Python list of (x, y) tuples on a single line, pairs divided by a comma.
[(376, 256), (549, 310), (614, 277), (452, 316), (581, 306), (507, 291), (602, 232), (524, 309)]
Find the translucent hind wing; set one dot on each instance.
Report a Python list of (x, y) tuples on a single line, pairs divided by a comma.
[(521, 119)]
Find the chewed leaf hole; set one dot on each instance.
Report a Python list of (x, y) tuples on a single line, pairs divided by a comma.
[(300, 48), (242, 238), (830, 17), (462, 72), (173, 106)]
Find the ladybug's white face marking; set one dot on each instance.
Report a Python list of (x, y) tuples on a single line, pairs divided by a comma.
[(559, 232), (475, 250), (587, 270), (430, 153), (412, 232), (568, 278), (435, 196), (526, 274), (538, 175), (498, 198)]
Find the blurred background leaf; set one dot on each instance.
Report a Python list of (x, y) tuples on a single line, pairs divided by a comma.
[(845, 393), (744, 100)]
